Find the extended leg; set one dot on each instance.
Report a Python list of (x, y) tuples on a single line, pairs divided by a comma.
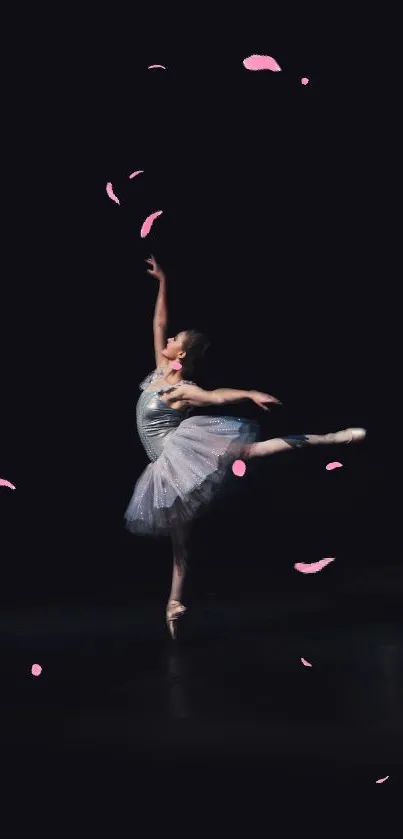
[(283, 444)]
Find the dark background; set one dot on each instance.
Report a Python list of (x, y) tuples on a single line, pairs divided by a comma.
[(274, 240), (277, 238)]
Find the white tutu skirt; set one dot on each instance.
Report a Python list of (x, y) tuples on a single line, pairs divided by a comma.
[(195, 460)]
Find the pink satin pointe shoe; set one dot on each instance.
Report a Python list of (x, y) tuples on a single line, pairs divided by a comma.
[(174, 611), (348, 435)]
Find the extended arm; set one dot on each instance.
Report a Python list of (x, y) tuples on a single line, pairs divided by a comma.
[(193, 395), (160, 320)]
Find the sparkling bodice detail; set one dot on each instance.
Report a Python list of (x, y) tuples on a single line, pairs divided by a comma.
[(155, 418)]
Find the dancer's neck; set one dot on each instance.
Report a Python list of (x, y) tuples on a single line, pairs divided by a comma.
[(173, 376)]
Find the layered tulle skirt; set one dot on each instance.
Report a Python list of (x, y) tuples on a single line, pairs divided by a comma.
[(196, 458)]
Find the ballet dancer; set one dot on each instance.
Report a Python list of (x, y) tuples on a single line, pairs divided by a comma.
[(191, 455)]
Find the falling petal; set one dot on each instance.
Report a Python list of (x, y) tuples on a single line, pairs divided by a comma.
[(4, 483), (137, 172), (148, 223), (335, 464), (261, 62), (313, 567), (306, 663), (36, 669), (304, 80), (155, 66), (111, 194), (176, 365), (382, 780), (239, 468)]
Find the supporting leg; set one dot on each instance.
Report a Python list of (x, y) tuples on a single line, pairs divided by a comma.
[(179, 548), (175, 608)]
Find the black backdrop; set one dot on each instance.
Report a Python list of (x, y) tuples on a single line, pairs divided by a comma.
[(273, 238)]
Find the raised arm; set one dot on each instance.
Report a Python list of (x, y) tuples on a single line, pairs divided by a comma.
[(160, 321), (193, 395)]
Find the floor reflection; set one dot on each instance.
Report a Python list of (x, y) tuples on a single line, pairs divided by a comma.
[(177, 670)]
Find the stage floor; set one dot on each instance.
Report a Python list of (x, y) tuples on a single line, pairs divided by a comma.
[(225, 732)]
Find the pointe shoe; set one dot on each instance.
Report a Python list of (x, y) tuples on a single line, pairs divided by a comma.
[(348, 435), (174, 611)]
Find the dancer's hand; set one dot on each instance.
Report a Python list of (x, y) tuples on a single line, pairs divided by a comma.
[(155, 270), (261, 399)]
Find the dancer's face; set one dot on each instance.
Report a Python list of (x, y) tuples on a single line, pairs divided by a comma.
[(174, 349)]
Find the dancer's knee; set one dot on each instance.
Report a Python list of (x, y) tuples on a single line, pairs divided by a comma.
[(248, 451)]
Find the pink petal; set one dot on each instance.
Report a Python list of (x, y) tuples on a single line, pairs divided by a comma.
[(36, 669), (110, 193), (148, 223), (154, 67), (261, 62), (304, 80), (239, 468), (176, 365), (4, 483), (313, 567), (335, 464), (137, 172), (306, 663), (382, 780)]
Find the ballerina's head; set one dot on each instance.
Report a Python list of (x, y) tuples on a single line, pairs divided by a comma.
[(186, 349)]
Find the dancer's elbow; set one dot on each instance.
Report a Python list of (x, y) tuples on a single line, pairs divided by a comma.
[(216, 397)]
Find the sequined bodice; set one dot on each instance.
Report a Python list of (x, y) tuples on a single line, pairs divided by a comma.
[(155, 418)]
